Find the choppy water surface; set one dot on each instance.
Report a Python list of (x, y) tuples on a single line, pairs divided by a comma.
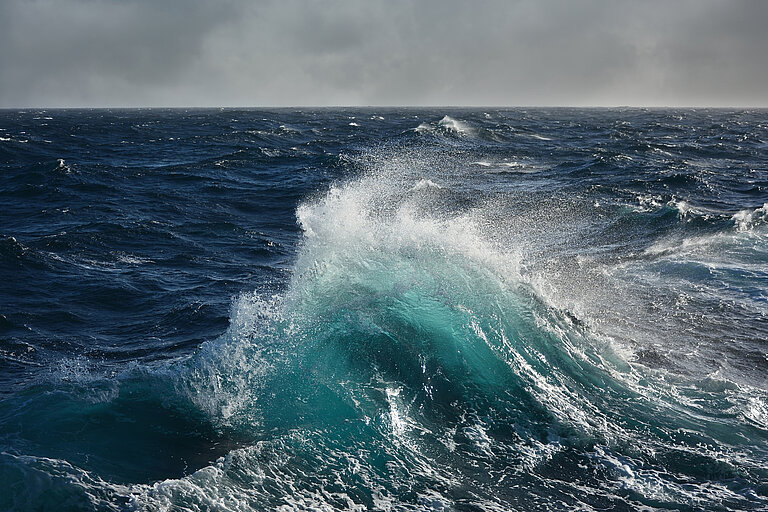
[(413, 309)]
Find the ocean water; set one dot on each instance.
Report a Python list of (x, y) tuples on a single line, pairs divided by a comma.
[(384, 309)]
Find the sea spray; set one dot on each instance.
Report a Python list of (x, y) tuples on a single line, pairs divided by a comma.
[(407, 328)]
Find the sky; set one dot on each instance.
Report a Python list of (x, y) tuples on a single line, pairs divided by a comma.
[(132, 53)]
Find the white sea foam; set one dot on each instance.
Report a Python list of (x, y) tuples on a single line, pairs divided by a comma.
[(687, 211), (756, 411), (350, 216), (454, 125), (270, 152), (683, 207), (647, 202), (228, 373), (289, 129), (425, 184), (747, 220), (424, 128), (446, 124)]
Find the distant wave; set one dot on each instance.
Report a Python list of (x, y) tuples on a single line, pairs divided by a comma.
[(446, 125)]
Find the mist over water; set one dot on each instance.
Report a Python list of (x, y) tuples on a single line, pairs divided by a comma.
[(412, 309)]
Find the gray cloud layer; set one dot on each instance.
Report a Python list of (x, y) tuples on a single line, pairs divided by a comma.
[(397, 52)]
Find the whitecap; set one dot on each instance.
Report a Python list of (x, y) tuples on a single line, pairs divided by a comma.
[(424, 128), (747, 220), (454, 125), (426, 184)]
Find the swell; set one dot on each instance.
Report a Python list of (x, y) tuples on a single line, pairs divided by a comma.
[(438, 345), (418, 339)]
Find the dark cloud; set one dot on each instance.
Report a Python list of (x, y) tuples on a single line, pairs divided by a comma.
[(99, 52), (400, 52)]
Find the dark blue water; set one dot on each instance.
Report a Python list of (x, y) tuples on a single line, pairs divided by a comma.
[(385, 309)]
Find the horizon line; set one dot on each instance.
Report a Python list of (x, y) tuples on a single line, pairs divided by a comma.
[(408, 106)]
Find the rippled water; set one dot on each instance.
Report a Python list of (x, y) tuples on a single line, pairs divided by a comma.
[(389, 309)]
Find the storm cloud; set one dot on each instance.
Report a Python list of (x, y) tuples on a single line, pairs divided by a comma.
[(64, 53)]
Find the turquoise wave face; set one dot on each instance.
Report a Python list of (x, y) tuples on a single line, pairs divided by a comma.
[(412, 362)]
